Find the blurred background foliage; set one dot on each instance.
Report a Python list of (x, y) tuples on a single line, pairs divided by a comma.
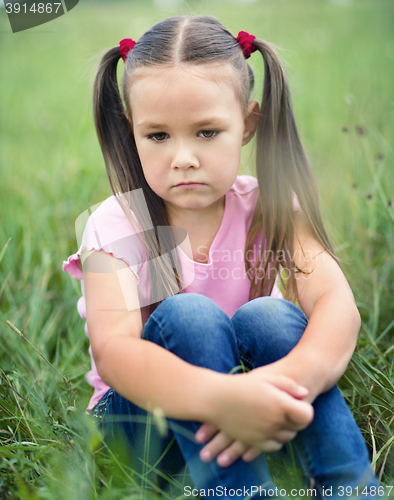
[(339, 57)]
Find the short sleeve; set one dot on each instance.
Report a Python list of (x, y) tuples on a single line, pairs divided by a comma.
[(107, 229)]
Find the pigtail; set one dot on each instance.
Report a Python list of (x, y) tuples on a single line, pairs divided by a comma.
[(282, 167), (125, 174)]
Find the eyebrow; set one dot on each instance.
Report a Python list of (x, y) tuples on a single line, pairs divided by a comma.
[(206, 122)]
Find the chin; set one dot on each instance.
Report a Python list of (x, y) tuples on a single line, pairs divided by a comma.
[(193, 206)]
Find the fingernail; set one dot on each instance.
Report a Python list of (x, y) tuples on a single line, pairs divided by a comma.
[(302, 389), (224, 460), (200, 436), (206, 455), (247, 457)]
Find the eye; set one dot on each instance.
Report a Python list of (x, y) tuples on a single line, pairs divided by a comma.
[(208, 134), (158, 137)]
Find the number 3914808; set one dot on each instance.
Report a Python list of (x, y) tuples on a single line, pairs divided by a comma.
[(39, 8)]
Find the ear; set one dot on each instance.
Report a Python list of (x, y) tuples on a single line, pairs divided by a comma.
[(251, 121)]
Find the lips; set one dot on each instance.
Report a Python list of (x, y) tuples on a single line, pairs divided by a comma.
[(189, 184)]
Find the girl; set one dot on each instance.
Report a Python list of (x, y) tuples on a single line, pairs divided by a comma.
[(181, 266)]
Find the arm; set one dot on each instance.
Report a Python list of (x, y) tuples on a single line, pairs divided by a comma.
[(122, 357), (180, 389), (324, 351)]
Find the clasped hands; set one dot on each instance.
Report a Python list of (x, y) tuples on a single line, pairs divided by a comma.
[(283, 409)]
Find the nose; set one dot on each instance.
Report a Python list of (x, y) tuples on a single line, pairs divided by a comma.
[(184, 157)]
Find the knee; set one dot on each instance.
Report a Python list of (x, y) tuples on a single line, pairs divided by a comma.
[(186, 310), (191, 320), (269, 325)]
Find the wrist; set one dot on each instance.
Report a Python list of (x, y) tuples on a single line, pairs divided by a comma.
[(307, 370), (207, 397), (219, 394)]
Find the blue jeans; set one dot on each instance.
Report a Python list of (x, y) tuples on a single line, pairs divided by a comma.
[(331, 450)]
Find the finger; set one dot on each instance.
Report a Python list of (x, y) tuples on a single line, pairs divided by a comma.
[(251, 454), (231, 453), (215, 446), (272, 445), (283, 436), (205, 432), (290, 386), (300, 414)]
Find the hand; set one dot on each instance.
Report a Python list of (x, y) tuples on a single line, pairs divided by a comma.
[(226, 449), (289, 368), (222, 441), (250, 424)]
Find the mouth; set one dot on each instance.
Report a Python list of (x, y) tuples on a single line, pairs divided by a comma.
[(189, 184)]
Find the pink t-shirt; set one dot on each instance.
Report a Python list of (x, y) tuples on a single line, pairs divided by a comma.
[(223, 278)]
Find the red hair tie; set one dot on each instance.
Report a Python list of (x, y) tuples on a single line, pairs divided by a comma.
[(125, 46), (245, 40)]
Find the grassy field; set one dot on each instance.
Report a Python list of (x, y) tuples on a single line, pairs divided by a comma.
[(339, 57)]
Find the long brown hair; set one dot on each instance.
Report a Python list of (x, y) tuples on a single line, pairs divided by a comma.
[(282, 168), (281, 163)]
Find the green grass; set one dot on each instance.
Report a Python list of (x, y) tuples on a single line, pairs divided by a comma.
[(340, 62)]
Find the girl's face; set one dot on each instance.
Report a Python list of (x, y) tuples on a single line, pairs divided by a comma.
[(189, 128)]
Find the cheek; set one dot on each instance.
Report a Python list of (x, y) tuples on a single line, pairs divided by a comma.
[(151, 171), (153, 168), (231, 151), (148, 156), (154, 181)]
